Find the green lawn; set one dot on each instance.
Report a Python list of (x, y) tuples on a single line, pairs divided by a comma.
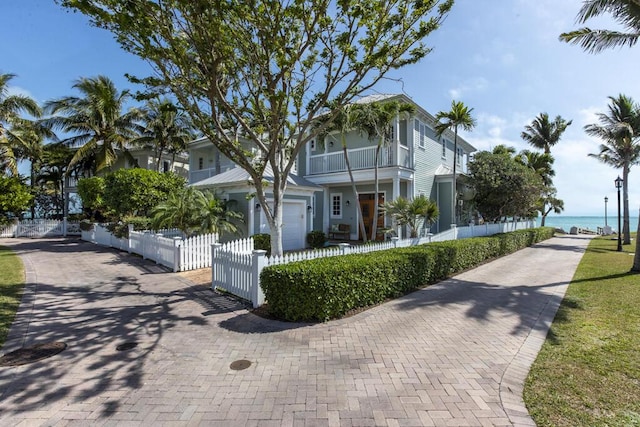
[(11, 286), (588, 371)]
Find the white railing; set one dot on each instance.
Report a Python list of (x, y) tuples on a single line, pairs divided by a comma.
[(40, 228), (359, 158), (165, 247), (199, 175), (236, 266)]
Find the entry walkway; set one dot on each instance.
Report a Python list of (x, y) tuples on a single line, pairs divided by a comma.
[(453, 354)]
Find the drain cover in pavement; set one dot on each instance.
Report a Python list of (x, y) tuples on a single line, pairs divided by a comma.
[(127, 346), (26, 355), (239, 365)]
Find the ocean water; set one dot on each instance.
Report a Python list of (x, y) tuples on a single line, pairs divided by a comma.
[(590, 222)]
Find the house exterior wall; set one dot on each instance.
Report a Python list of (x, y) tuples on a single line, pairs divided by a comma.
[(147, 160)]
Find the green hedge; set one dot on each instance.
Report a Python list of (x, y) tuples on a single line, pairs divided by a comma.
[(327, 288)]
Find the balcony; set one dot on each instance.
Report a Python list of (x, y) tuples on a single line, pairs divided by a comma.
[(199, 175), (360, 158)]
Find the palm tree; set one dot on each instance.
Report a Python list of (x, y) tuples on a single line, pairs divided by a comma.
[(542, 165), (417, 213), (620, 131), (10, 108), (376, 119), (341, 121), (191, 210), (96, 119), (544, 134), (165, 128), (459, 115), (624, 12)]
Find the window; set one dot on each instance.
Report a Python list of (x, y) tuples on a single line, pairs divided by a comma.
[(390, 134), (200, 163), (421, 130), (459, 156), (444, 148), (165, 166), (336, 205)]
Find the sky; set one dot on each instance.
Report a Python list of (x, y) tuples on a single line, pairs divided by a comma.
[(500, 57)]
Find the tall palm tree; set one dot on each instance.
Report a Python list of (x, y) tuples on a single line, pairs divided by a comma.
[(164, 128), (624, 12), (10, 108), (341, 122), (543, 133), (620, 131), (376, 119), (458, 116), (96, 118)]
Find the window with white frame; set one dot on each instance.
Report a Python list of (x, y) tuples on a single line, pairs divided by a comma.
[(459, 156), (336, 205), (200, 163), (421, 131), (444, 148)]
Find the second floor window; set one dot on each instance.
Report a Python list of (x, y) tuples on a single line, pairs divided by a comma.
[(200, 163), (459, 156), (444, 148)]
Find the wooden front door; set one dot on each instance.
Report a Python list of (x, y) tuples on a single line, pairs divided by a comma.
[(367, 203)]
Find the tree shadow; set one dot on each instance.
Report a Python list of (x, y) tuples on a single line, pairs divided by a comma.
[(93, 318)]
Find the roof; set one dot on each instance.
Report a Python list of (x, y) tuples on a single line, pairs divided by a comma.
[(238, 175)]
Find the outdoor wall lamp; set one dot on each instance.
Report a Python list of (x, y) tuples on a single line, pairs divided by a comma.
[(257, 206), (348, 202), (309, 207), (619, 182)]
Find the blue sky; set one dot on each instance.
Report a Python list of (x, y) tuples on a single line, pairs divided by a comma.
[(502, 58)]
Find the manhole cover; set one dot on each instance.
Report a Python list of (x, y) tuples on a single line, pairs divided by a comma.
[(26, 355), (127, 346), (239, 365)]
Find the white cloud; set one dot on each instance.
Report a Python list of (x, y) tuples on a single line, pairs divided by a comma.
[(476, 84), (17, 90)]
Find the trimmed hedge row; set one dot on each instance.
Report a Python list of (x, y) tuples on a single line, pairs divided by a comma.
[(327, 288)]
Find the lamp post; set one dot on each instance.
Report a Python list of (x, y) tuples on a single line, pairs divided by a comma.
[(606, 199), (618, 182)]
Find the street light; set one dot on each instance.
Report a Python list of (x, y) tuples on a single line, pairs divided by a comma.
[(619, 182), (606, 199)]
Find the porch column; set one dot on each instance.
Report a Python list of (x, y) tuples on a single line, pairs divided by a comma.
[(326, 209), (396, 137)]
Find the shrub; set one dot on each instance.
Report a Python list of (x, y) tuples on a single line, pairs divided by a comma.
[(86, 225), (120, 229), (263, 242), (316, 239), (327, 288)]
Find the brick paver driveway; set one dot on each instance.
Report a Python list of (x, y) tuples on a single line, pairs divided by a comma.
[(453, 354)]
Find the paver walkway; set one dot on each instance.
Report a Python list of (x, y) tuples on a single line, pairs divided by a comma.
[(453, 354)]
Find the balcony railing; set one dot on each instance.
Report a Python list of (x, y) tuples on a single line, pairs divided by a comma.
[(199, 175), (360, 158)]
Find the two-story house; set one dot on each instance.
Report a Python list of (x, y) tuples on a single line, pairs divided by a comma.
[(319, 194), (415, 162)]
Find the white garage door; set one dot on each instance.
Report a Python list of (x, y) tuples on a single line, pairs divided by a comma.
[(293, 225)]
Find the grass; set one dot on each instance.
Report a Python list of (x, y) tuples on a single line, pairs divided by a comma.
[(588, 371), (11, 287)]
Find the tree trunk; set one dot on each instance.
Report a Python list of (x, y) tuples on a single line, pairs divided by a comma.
[(625, 197), (454, 212), (544, 217), (636, 258), (363, 232)]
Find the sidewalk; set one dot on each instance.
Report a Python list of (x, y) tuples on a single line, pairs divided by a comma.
[(453, 354)]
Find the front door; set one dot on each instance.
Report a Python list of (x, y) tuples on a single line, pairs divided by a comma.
[(367, 203)]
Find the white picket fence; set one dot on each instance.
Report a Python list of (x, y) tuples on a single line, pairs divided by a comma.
[(236, 266), (39, 228), (165, 247)]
